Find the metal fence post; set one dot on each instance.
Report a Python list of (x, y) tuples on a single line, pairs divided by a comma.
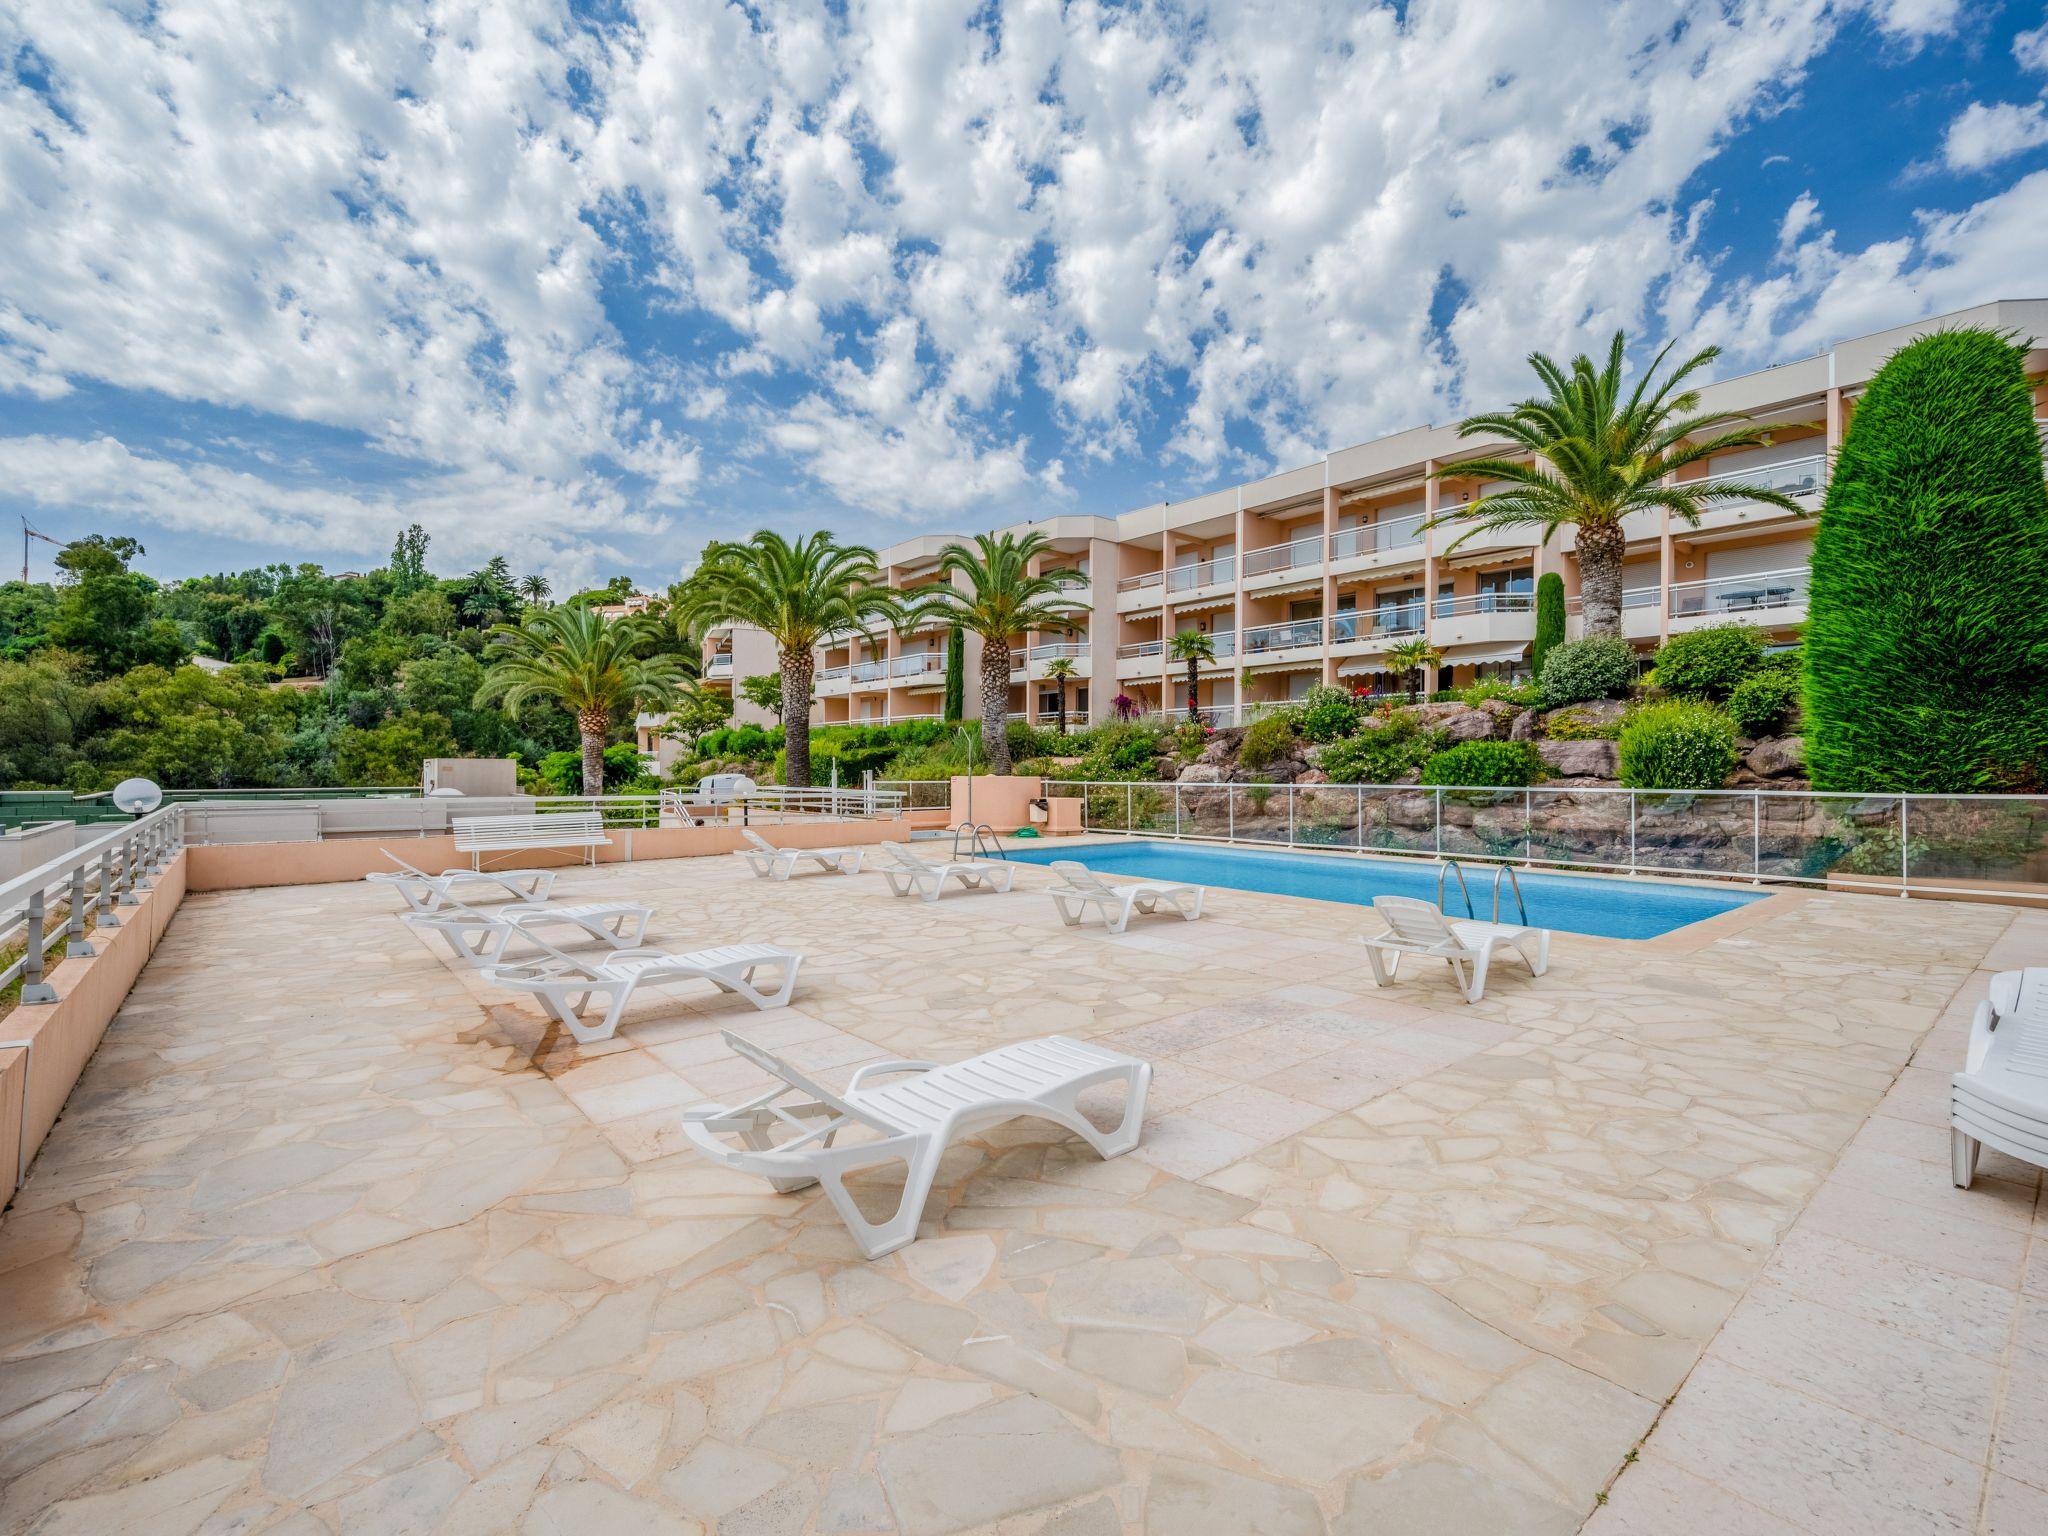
[(1756, 837), (1905, 854), (33, 988), (1439, 818), (126, 880), (1528, 827), (1631, 831), (1359, 821), (1129, 814), (77, 943), (107, 917), (1230, 811), (1176, 810), (1290, 815)]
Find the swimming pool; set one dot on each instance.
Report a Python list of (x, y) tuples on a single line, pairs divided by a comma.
[(1608, 909)]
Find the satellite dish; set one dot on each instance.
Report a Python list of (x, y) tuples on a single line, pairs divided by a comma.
[(138, 797), (446, 793)]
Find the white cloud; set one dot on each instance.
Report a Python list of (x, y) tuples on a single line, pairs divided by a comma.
[(2031, 49), (1917, 20), (1982, 136)]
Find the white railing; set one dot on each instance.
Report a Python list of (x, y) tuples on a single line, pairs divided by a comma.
[(1377, 538), (833, 674), (1631, 597), (1758, 593), (1953, 845), (1133, 648), (1485, 602), (722, 662), (1284, 557), (91, 884), (768, 803), (869, 671), (1076, 650), (1376, 624), (1794, 477), (1203, 573), (920, 794), (919, 663), (1283, 637)]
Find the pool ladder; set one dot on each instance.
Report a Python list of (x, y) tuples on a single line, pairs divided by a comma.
[(1449, 867), (977, 848)]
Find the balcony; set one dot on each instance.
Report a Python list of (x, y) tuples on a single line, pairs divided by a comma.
[(1294, 635), (1153, 587), (718, 665), (1398, 538), (1376, 627), (1483, 616), (1766, 597), (1802, 478), (869, 672), (1278, 559), (1072, 650), (919, 664)]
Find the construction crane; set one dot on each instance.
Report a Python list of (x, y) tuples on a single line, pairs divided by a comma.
[(28, 533)]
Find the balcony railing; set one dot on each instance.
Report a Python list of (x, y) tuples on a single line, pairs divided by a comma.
[(722, 662), (1282, 637), (1283, 557), (869, 671), (919, 664), (1376, 624), (833, 674), (1795, 477), (1485, 602), (1756, 593), (1375, 538), (1631, 597), (1073, 650), (1140, 648), (1183, 578)]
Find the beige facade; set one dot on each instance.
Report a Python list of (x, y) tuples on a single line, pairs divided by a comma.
[(1313, 575)]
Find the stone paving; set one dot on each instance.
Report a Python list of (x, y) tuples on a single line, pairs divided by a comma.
[(331, 1239)]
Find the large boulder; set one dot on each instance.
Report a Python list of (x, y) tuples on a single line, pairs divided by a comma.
[(1201, 773), (1222, 747), (1776, 758), (1524, 728), (1593, 712), (1580, 759), (1461, 722)]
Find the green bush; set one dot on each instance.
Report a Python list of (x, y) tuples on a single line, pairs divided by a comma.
[(1598, 667), (1678, 744), (1579, 725), (1383, 752), (1265, 739), (1028, 740), (1761, 701), (1328, 713), (1792, 659), (1710, 663), (1492, 764), (1549, 620), (741, 741), (1488, 689), (1927, 644)]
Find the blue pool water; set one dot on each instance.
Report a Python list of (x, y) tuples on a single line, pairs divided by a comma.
[(1608, 909)]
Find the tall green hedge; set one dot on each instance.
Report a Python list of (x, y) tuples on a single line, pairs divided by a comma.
[(1927, 645), (956, 674), (1549, 619)]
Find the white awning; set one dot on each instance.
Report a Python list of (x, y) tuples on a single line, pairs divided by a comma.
[(1479, 654), (1364, 666), (1287, 666), (1204, 604), (1288, 588)]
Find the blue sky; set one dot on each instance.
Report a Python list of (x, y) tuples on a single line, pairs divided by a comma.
[(588, 285)]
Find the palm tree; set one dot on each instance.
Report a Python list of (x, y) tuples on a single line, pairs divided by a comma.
[(588, 665), (1411, 658), (1059, 669), (1194, 648), (987, 589), (1599, 458), (534, 589), (798, 592)]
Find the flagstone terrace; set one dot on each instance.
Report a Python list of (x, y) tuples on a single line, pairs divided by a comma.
[(330, 1239)]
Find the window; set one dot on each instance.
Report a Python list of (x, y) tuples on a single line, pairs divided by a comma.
[(1398, 609)]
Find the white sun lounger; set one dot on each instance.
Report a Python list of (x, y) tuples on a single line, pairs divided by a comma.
[(769, 862), (916, 1120), (566, 983), (481, 937), (1081, 888), (1418, 928), (2000, 1098), (429, 893), (906, 872)]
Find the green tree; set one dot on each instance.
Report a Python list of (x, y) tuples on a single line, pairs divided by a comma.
[(1059, 670), (46, 713), (764, 691), (587, 664), (1598, 458), (797, 593), (409, 562), (956, 676), (104, 609), (318, 613), (486, 596), (535, 590), (697, 714), (1927, 642), (1194, 647), (26, 609), (391, 753), (1549, 619), (190, 729), (986, 588), (1412, 659)]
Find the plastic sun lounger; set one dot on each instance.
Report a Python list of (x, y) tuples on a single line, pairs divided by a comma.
[(915, 1121), (2000, 1098), (480, 938), (907, 872), (429, 893), (769, 862), (1082, 888), (566, 983), (1418, 928)]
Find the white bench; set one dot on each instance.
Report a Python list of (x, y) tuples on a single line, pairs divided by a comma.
[(479, 835)]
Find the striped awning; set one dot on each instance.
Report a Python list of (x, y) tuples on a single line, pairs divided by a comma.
[(1478, 653)]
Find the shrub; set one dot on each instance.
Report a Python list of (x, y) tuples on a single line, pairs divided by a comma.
[(1927, 645), (1265, 739), (1493, 764), (1028, 740), (1328, 713), (1597, 667), (1678, 744), (1490, 688), (1383, 752), (1190, 737), (1549, 620), (1761, 701), (1710, 663), (1579, 725)]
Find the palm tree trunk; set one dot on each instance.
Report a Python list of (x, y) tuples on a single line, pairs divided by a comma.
[(594, 724), (1194, 688), (1601, 546), (995, 703), (797, 667), (1060, 709)]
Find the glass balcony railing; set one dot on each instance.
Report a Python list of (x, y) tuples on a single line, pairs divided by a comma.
[(722, 662), (1283, 557), (1183, 578), (1376, 538), (1795, 477), (1134, 648), (1282, 637), (1758, 593), (1073, 650), (919, 664), (832, 674), (1376, 624), (869, 671), (1484, 602)]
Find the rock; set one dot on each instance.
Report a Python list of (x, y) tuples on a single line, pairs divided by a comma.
[(1222, 747), (1470, 725), (1312, 776), (1524, 728), (1201, 773), (1592, 712), (1580, 759), (1775, 758)]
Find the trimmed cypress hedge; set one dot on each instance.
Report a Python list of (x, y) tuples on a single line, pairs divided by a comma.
[(956, 675), (1927, 645), (1549, 619)]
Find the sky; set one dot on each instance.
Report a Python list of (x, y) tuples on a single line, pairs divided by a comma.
[(587, 284)]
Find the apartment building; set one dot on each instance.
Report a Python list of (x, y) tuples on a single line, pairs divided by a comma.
[(1313, 575)]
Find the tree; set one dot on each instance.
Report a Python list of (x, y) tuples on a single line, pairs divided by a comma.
[(697, 714), (46, 709), (409, 562), (1926, 651), (1549, 619), (764, 691), (584, 662), (534, 589), (26, 609), (1598, 459), (956, 675), (104, 609), (798, 593), (189, 729), (486, 596), (1059, 669), (986, 588), (1411, 658), (1194, 647), (391, 753)]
